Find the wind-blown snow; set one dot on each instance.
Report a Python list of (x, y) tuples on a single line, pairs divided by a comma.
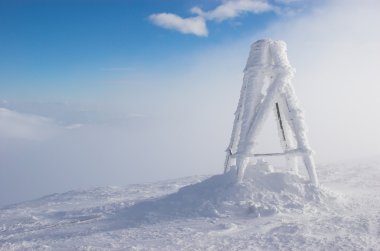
[(269, 210)]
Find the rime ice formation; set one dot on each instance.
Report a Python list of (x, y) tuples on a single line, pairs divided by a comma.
[(267, 85)]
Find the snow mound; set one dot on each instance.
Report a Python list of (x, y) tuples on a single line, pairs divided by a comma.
[(262, 192)]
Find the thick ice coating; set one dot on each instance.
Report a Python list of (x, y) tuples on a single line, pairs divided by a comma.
[(267, 86)]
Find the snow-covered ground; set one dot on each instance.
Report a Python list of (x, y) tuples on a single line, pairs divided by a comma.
[(269, 210)]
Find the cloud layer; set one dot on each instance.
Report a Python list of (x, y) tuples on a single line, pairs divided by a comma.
[(25, 126)]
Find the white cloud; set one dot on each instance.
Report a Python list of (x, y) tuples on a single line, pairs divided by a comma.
[(228, 9), (231, 9), (191, 25)]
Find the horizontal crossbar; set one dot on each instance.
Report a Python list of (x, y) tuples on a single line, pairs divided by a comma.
[(290, 152), (269, 154)]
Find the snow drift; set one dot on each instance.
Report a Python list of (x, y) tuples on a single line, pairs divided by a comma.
[(262, 192)]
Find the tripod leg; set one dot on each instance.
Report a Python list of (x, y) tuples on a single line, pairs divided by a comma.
[(297, 124)]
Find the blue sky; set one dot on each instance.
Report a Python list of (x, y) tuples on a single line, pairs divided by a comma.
[(64, 46), (96, 93)]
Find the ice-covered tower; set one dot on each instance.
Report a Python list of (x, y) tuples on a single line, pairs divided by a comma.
[(267, 86)]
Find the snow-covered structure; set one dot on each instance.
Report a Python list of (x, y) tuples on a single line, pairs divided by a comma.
[(267, 86)]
